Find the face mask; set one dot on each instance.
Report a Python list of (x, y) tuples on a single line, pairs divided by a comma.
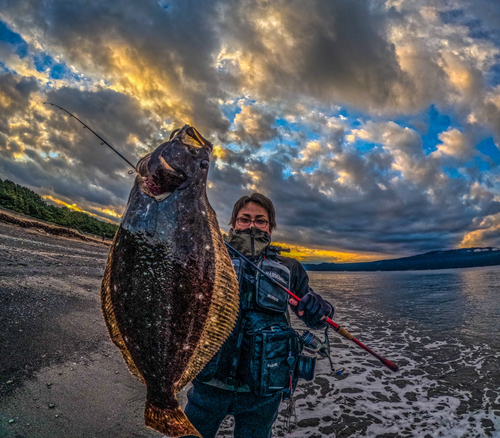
[(250, 242)]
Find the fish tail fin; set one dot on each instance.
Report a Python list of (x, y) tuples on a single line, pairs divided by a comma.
[(170, 421)]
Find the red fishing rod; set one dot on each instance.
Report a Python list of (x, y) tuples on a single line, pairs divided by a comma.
[(340, 330)]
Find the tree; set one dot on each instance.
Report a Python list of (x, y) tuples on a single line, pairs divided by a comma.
[(23, 200)]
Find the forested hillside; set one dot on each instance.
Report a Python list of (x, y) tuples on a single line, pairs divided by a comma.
[(22, 200)]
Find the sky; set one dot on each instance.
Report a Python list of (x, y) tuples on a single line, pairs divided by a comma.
[(373, 126)]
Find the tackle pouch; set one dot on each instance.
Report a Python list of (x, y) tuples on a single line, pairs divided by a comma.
[(305, 367), (272, 358), (268, 296)]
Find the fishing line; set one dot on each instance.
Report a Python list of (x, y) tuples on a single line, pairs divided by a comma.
[(93, 132)]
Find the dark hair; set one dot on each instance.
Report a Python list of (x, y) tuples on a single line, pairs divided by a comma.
[(258, 199)]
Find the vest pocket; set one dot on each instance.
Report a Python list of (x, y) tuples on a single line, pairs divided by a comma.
[(274, 351), (269, 297), (237, 265)]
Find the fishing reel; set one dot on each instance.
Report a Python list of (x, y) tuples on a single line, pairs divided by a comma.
[(315, 345)]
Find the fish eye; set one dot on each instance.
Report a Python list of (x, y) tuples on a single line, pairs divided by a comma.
[(204, 164)]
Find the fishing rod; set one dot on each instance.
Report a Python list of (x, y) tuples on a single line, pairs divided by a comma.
[(340, 330), (93, 132)]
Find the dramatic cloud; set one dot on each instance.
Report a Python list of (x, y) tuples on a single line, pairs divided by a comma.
[(253, 127), (454, 145), (374, 126)]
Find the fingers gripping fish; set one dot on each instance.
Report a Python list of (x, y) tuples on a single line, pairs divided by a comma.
[(169, 293)]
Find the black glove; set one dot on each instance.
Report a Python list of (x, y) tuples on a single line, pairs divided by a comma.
[(314, 308)]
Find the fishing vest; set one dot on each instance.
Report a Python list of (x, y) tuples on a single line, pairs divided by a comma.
[(257, 292), (260, 356)]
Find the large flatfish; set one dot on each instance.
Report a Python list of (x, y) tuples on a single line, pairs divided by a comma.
[(169, 293)]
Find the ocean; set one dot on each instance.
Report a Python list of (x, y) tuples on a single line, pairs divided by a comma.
[(440, 327)]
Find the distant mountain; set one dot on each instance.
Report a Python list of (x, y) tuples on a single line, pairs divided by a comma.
[(455, 258)]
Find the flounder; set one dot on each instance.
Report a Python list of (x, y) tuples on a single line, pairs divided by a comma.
[(169, 293)]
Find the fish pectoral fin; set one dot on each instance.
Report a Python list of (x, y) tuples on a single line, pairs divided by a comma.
[(168, 166), (170, 421)]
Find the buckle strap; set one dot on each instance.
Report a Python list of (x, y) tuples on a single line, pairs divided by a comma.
[(235, 360)]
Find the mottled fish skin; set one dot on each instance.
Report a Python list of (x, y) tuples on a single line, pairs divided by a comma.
[(169, 294)]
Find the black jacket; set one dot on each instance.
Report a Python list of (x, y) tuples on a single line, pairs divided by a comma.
[(217, 371)]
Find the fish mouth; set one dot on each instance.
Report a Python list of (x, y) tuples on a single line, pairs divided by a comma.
[(190, 136)]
